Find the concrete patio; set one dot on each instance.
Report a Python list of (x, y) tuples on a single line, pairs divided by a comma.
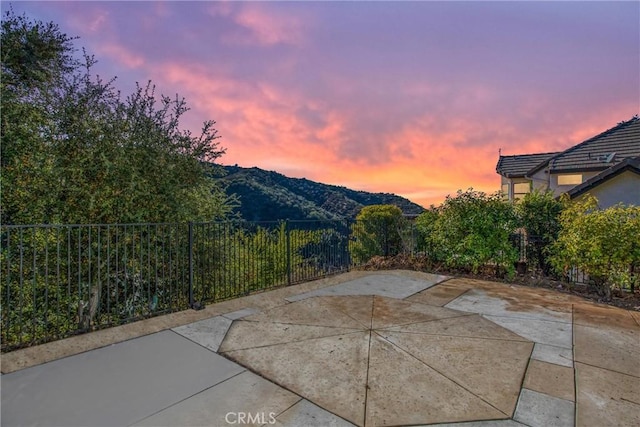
[(363, 348)]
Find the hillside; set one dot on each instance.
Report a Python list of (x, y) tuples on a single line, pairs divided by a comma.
[(270, 196)]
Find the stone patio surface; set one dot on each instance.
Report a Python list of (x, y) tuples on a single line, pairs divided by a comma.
[(363, 348)]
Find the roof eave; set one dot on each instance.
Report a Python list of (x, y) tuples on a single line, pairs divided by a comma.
[(512, 175)]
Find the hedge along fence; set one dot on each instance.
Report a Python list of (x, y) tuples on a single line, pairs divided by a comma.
[(571, 240), (58, 281), (602, 243), (470, 231)]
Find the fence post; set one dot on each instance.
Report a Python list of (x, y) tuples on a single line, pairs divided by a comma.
[(413, 243), (288, 238), (191, 264)]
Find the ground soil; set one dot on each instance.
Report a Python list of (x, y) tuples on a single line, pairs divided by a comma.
[(619, 298)]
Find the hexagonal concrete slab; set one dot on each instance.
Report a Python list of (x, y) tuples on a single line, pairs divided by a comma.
[(355, 355)]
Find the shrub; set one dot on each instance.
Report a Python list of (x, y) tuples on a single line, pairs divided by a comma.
[(378, 231), (539, 215), (471, 231), (424, 224), (603, 243)]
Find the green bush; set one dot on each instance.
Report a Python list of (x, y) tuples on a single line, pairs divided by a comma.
[(602, 243), (470, 231), (539, 215), (379, 230), (425, 225)]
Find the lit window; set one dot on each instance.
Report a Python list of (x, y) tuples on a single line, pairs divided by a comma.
[(521, 187), (570, 179)]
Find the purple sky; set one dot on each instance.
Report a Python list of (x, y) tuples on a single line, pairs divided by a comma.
[(413, 98)]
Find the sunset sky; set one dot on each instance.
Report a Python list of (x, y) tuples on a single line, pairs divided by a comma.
[(413, 98)]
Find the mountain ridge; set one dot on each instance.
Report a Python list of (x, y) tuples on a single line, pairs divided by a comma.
[(271, 196)]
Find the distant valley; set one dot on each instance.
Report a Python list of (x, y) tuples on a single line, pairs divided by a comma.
[(270, 196)]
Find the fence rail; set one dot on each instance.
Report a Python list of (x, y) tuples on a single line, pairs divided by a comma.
[(62, 280)]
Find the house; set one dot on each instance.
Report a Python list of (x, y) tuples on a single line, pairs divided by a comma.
[(606, 166), (514, 171)]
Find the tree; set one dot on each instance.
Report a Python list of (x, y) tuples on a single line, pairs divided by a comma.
[(35, 57), (73, 151), (377, 231)]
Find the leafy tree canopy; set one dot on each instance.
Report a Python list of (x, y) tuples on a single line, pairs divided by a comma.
[(75, 151)]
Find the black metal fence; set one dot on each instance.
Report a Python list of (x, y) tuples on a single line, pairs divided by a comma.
[(61, 280), (533, 258)]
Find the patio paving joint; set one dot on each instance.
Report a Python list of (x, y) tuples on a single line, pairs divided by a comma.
[(487, 388), (366, 388), (626, 374), (450, 379), (189, 397)]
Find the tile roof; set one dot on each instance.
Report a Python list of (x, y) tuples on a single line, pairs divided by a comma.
[(631, 164), (518, 166), (599, 152)]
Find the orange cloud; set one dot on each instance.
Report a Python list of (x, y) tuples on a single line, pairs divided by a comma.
[(428, 157), (371, 102), (423, 157)]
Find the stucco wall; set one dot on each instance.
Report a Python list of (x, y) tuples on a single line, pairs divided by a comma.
[(624, 188), (540, 180)]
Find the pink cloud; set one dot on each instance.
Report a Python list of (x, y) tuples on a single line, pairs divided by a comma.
[(258, 119), (427, 157), (269, 27), (259, 25), (121, 55), (394, 97), (94, 20), (98, 21)]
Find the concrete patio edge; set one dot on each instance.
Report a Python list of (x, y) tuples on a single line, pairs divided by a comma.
[(47, 352)]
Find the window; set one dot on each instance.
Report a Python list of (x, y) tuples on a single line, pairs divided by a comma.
[(520, 189), (570, 179)]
